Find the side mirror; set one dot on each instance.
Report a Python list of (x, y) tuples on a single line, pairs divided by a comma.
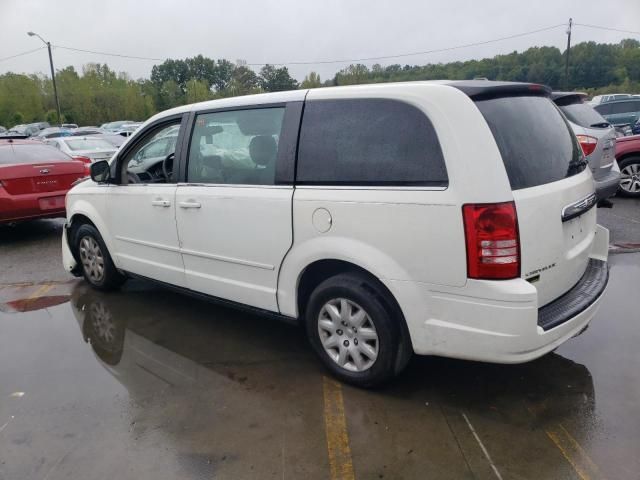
[(100, 171)]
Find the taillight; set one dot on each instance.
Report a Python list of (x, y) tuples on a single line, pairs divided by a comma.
[(86, 161), (588, 143), (493, 243)]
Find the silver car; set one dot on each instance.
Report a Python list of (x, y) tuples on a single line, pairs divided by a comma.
[(94, 148), (596, 136)]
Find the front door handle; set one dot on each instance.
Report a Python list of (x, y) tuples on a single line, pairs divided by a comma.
[(190, 204), (161, 203)]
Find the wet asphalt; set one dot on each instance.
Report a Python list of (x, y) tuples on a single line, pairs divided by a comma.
[(149, 384)]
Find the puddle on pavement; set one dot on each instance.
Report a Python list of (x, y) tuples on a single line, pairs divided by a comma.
[(146, 383)]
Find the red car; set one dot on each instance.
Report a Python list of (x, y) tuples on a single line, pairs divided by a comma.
[(34, 179), (628, 157)]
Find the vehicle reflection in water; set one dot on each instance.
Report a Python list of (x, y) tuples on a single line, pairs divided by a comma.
[(181, 341)]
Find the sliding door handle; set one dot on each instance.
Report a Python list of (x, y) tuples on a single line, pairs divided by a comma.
[(190, 204), (161, 203)]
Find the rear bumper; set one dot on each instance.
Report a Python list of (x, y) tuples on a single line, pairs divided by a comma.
[(499, 321), (14, 208), (608, 186), (586, 292)]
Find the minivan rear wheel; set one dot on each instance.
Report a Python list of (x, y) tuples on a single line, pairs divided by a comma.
[(630, 177), (352, 331)]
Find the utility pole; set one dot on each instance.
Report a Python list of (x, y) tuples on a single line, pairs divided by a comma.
[(566, 65), (53, 74)]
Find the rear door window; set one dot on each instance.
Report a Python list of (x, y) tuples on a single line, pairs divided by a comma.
[(536, 142), (368, 142)]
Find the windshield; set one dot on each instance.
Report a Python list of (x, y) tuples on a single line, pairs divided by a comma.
[(89, 144), (535, 141)]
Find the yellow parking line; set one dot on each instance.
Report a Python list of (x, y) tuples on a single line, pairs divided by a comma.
[(335, 425), (40, 292), (574, 453)]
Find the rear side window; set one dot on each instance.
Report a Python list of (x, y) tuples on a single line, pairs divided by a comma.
[(535, 141), (23, 153), (603, 108), (625, 107), (584, 115), (368, 142)]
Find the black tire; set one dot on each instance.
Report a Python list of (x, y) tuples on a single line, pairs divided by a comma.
[(366, 294), (629, 162), (110, 279)]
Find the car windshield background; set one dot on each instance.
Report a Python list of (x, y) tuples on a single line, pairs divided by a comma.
[(235, 147), (536, 143), (88, 144), (368, 142), (23, 153), (584, 115)]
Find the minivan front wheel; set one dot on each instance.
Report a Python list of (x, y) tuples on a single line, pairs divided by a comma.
[(92, 254), (352, 330)]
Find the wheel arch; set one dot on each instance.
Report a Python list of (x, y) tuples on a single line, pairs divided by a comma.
[(627, 155), (319, 270), (83, 212)]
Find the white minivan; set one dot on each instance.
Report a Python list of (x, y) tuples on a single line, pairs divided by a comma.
[(449, 218)]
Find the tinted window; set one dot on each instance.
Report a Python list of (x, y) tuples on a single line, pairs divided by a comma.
[(22, 153), (535, 141), (584, 115), (236, 147), (368, 142), (622, 107), (603, 108)]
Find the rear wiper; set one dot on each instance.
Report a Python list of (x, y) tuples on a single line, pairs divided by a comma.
[(600, 125)]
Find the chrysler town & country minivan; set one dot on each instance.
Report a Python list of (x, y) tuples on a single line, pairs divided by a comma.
[(450, 218)]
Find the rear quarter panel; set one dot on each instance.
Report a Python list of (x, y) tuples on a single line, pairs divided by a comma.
[(401, 234)]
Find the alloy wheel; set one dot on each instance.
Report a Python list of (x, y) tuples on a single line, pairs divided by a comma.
[(348, 335), (92, 258), (630, 178)]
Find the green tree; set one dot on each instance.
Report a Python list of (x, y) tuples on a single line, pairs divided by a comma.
[(311, 81), (244, 81), (274, 79)]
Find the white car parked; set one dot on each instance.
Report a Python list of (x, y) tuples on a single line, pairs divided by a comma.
[(448, 218), (93, 148)]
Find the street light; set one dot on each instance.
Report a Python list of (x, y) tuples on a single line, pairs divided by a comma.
[(53, 75)]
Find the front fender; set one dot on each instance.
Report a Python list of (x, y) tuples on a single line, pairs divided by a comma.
[(94, 211)]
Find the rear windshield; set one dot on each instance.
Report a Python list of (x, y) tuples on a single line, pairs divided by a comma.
[(22, 153), (89, 144), (584, 115), (535, 141)]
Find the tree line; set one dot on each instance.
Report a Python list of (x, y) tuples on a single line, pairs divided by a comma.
[(99, 94)]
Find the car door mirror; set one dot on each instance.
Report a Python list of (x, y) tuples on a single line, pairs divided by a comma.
[(100, 171)]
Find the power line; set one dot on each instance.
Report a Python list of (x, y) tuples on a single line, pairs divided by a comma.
[(400, 55), (347, 60), (110, 54), (21, 54), (607, 28)]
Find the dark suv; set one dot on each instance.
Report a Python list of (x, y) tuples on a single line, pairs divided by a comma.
[(622, 112)]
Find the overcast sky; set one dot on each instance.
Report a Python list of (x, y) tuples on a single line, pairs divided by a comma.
[(270, 31)]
